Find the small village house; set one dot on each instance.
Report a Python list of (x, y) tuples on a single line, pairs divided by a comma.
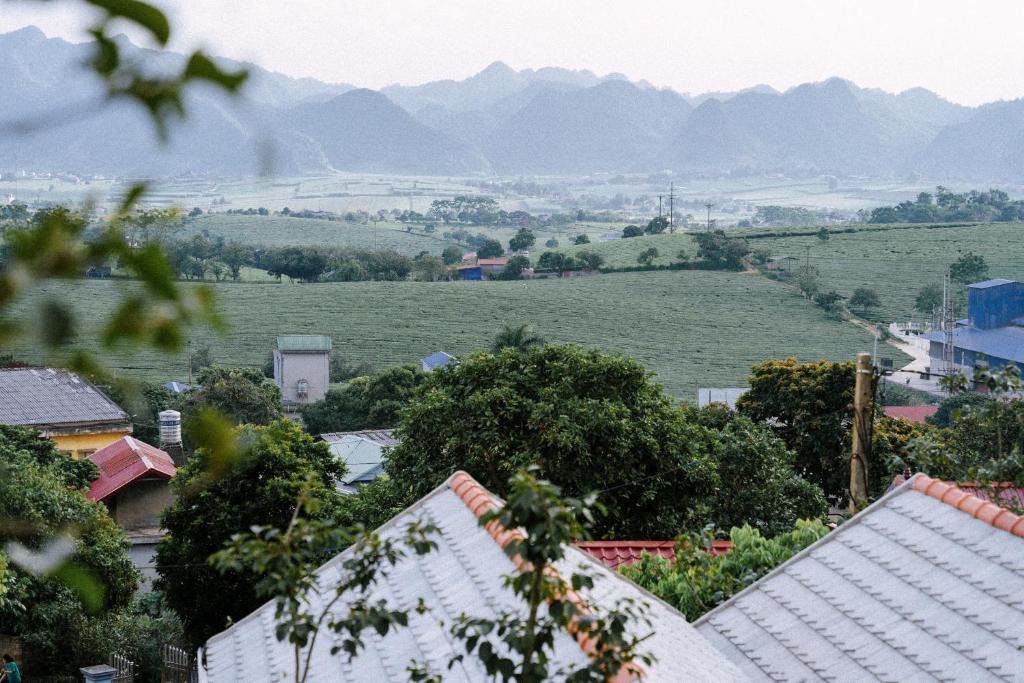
[(79, 418), (302, 368), (134, 484)]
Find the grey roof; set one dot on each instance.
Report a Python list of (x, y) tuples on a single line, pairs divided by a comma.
[(363, 458), (1000, 342), (911, 589), (303, 343), (464, 575), (47, 397), (384, 437), (727, 395)]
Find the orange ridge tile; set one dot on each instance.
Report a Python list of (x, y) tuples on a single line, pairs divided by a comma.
[(480, 502), (983, 510)]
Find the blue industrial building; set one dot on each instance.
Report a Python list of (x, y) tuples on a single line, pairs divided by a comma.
[(992, 333)]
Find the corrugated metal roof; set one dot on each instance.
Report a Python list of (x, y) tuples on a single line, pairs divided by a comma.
[(925, 584), (45, 397), (985, 284), (363, 457), (464, 575), (124, 461), (303, 343), (492, 262), (1001, 342), (438, 359), (385, 437)]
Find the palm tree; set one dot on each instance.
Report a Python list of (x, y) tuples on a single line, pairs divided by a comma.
[(519, 337)]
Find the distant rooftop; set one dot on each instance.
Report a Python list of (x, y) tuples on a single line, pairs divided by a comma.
[(985, 284), (303, 343), (1002, 342), (912, 413), (48, 397), (438, 359)]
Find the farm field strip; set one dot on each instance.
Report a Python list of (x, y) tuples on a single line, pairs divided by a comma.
[(691, 328)]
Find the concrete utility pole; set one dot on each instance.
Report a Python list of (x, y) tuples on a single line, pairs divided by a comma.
[(708, 207), (671, 207), (659, 204), (862, 420)]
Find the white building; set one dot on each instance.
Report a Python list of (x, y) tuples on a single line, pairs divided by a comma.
[(302, 368)]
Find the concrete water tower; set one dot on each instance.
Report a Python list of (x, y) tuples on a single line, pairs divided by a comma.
[(302, 368)]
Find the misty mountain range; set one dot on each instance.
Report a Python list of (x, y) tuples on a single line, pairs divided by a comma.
[(501, 121)]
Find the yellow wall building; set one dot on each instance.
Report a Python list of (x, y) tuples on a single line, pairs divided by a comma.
[(79, 417)]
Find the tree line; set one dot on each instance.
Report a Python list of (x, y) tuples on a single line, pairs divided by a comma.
[(946, 207)]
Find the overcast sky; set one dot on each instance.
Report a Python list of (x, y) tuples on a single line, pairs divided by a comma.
[(969, 52)]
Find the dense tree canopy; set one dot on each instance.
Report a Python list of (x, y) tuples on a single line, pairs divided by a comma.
[(945, 206), (809, 405), (261, 486), (490, 249), (593, 422), (244, 396), (720, 249), (364, 402), (42, 490)]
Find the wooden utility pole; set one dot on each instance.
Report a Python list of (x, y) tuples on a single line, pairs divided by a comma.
[(863, 408)]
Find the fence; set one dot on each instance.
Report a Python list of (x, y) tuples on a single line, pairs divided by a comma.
[(180, 666), (125, 669)]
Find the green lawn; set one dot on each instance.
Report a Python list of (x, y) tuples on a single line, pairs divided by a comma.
[(691, 328), (897, 261)]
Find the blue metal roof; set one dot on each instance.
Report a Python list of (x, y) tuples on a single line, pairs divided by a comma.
[(438, 359), (996, 282), (1002, 342)]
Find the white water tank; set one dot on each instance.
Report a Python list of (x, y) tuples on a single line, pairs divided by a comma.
[(170, 427)]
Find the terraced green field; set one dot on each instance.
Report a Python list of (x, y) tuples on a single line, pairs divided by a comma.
[(897, 261), (280, 231), (691, 328), (623, 253)]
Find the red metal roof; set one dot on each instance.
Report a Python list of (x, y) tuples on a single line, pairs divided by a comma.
[(125, 461), (492, 261), (912, 413), (613, 554)]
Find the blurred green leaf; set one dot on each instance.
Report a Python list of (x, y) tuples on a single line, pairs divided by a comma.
[(141, 13), (202, 67), (86, 586)]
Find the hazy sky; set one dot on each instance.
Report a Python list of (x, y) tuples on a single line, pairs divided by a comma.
[(969, 52)]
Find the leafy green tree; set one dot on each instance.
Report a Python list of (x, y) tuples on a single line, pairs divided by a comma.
[(82, 578), (823, 234), (928, 299), (809, 406), (808, 281), (243, 396), (696, 582), (656, 226), (589, 259), (581, 239), (593, 422), (831, 301), (260, 487), (718, 248), (556, 261), (647, 256), (522, 240), (428, 268), (521, 337), (551, 243), (969, 268), (864, 299), (632, 231), (514, 267), (490, 249), (367, 402), (758, 485), (451, 255)]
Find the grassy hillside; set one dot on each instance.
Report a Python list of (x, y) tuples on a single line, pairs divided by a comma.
[(623, 253), (280, 231), (897, 261), (691, 328)]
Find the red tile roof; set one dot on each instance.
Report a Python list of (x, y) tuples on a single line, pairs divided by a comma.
[(125, 461), (614, 554), (492, 262), (480, 502), (1008, 494), (912, 413), (983, 510)]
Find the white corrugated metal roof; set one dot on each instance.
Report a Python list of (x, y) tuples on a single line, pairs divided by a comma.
[(911, 589), (463, 576)]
